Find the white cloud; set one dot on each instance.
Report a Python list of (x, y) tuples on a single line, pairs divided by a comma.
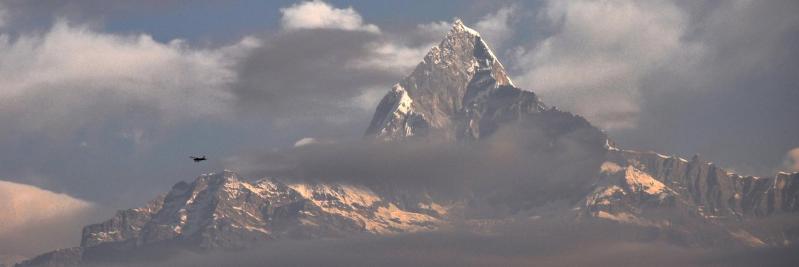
[(594, 63), (434, 30), (72, 76), (305, 141), (368, 99), (320, 15), (496, 27), (392, 56), (35, 220)]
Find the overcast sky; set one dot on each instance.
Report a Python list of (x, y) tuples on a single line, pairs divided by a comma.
[(104, 100)]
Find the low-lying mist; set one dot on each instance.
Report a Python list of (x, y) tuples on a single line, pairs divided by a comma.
[(542, 242), (540, 159)]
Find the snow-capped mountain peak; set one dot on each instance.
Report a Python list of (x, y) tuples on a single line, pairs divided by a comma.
[(444, 95)]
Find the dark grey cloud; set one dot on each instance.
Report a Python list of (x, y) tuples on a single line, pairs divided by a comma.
[(310, 73), (324, 81), (737, 105), (544, 157)]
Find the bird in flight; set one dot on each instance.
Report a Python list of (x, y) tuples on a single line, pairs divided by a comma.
[(198, 159)]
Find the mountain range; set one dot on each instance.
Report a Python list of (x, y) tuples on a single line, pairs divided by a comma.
[(461, 95)]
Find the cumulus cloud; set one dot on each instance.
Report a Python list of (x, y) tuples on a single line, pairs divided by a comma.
[(76, 77), (594, 62), (35, 220), (320, 15)]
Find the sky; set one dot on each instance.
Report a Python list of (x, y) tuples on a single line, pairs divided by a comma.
[(102, 102)]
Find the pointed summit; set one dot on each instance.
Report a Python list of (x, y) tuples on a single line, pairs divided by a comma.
[(459, 27), (443, 93)]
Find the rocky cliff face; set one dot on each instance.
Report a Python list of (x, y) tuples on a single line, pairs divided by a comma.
[(693, 201), (714, 190), (125, 225)]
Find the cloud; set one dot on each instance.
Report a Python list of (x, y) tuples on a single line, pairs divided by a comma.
[(83, 105), (333, 71), (594, 63), (733, 102), (36, 220), (80, 105), (678, 77), (433, 31), (497, 27), (3, 16), (392, 56), (554, 240), (305, 141), (314, 73), (320, 15), (792, 160), (561, 152), (77, 77)]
